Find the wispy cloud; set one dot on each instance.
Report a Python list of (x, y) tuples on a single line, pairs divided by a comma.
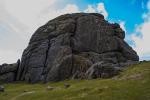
[(122, 25), (101, 9), (142, 41), (18, 21), (90, 9)]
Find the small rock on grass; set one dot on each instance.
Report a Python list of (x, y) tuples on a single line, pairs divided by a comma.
[(66, 85), (2, 88), (50, 88)]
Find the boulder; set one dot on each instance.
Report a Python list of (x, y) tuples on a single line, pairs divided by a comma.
[(74, 46), (102, 70), (50, 88), (8, 68), (7, 77), (8, 72), (66, 85)]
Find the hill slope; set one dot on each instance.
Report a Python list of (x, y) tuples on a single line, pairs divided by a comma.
[(132, 84)]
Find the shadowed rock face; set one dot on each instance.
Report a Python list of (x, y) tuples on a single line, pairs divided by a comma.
[(77, 45), (8, 72)]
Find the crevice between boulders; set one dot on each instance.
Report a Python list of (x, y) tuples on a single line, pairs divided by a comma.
[(46, 58), (72, 44)]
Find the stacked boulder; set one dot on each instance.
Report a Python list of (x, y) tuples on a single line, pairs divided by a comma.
[(75, 46)]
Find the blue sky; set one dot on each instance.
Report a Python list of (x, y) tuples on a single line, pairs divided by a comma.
[(129, 11), (20, 18)]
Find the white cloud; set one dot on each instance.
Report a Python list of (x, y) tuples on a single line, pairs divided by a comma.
[(148, 5), (122, 25), (33, 13), (142, 41), (90, 9), (101, 9), (52, 13), (28, 11), (18, 21), (9, 56)]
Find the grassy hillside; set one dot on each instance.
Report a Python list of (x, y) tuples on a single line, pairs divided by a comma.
[(132, 84)]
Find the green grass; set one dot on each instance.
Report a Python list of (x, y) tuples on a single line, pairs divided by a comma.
[(132, 84)]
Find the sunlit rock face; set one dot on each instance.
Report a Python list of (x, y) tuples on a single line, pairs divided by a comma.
[(75, 46)]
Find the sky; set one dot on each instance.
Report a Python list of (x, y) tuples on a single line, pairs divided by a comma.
[(19, 19)]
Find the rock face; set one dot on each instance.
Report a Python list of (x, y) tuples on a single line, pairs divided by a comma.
[(8, 72), (74, 46)]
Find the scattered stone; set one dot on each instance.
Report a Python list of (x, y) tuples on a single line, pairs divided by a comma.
[(103, 70), (25, 91), (50, 88), (66, 85), (2, 89), (84, 89)]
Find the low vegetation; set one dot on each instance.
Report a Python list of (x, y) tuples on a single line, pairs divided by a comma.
[(132, 84)]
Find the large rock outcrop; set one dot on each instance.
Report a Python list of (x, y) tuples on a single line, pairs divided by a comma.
[(74, 46)]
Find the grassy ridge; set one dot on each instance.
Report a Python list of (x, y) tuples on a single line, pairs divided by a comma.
[(132, 84)]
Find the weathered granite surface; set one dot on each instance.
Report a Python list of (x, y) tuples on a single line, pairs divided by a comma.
[(75, 46)]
